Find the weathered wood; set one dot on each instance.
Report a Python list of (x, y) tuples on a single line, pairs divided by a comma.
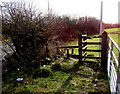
[(72, 51), (80, 47), (97, 36), (104, 53), (57, 49), (69, 47), (68, 54), (89, 61), (86, 37), (91, 57), (75, 56), (92, 43), (90, 50)]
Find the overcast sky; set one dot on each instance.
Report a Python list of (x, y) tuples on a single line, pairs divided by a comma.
[(78, 8)]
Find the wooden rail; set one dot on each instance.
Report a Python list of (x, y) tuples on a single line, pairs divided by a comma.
[(69, 47), (92, 43), (83, 48), (90, 50)]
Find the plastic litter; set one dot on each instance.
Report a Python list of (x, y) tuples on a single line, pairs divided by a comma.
[(19, 79), (48, 59), (44, 65), (58, 55)]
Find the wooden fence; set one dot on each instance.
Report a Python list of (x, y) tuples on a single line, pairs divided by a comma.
[(110, 63), (113, 66), (83, 49)]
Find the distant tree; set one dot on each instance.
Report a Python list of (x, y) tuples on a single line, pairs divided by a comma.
[(107, 25), (63, 28), (90, 25)]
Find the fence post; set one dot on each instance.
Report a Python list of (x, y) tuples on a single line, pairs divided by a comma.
[(57, 49), (68, 54), (104, 53), (72, 51), (80, 47)]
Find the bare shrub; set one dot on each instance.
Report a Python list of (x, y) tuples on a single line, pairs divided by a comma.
[(25, 27)]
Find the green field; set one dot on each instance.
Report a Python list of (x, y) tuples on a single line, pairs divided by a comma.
[(115, 37)]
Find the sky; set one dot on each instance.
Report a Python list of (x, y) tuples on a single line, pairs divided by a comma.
[(79, 8)]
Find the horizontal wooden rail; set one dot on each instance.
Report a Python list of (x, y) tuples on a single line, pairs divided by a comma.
[(72, 47), (88, 61), (86, 37), (89, 50), (97, 36), (92, 43), (69, 47), (85, 41), (91, 57)]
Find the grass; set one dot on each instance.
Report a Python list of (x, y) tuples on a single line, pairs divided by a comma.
[(115, 37), (65, 77), (68, 78)]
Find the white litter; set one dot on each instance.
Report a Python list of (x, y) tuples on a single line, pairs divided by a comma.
[(48, 59), (44, 65), (19, 79)]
